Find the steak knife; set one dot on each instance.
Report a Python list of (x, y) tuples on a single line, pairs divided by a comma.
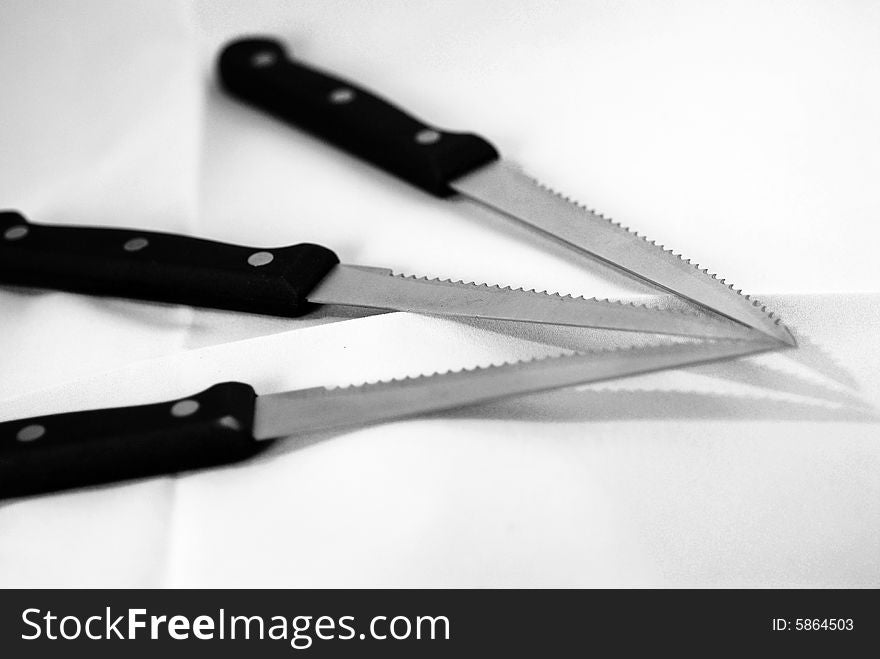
[(288, 281), (229, 422), (260, 72)]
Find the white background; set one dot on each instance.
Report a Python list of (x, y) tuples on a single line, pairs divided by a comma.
[(744, 135)]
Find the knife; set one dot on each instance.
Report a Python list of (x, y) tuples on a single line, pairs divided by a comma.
[(229, 422), (259, 72), (288, 281)]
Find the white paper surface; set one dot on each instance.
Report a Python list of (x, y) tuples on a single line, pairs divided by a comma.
[(758, 161)]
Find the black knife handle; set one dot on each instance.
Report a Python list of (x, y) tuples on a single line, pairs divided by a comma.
[(258, 71), (160, 266), (62, 451)]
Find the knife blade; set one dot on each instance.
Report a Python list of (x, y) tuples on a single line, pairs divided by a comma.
[(260, 72), (288, 281), (229, 422)]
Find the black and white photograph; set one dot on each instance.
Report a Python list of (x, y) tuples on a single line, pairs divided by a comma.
[(439, 295)]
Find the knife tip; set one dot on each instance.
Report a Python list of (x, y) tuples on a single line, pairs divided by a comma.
[(784, 334)]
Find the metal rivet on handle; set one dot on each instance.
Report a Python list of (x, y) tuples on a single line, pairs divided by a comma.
[(260, 258), (31, 432), (263, 59), (229, 422), (427, 136), (16, 232), (341, 96), (184, 408), (135, 244)]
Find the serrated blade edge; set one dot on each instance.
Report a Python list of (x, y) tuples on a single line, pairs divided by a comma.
[(380, 288), (506, 188), (310, 410)]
